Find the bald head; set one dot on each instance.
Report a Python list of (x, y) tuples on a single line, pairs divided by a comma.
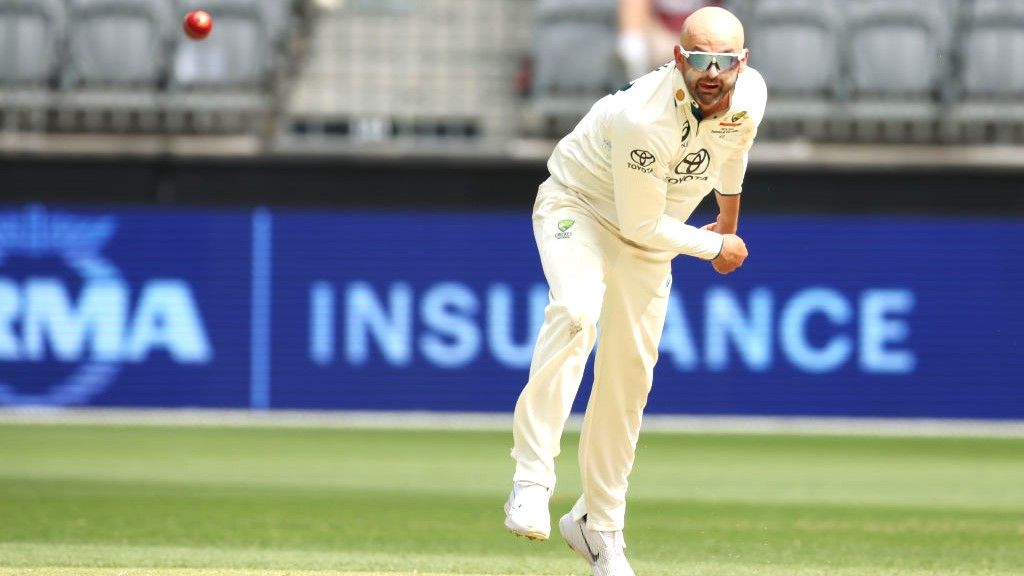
[(712, 29)]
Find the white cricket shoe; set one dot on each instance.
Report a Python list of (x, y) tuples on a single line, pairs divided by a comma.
[(526, 512), (604, 551)]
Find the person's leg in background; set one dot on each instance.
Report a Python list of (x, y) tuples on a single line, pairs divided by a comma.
[(649, 30), (635, 22)]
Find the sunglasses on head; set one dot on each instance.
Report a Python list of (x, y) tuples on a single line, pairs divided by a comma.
[(704, 60)]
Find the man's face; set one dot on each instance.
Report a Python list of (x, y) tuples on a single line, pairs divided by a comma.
[(709, 86)]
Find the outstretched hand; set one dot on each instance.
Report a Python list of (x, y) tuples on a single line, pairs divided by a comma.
[(734, 252)]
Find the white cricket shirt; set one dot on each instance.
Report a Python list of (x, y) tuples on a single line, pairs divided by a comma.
[(641, 162)]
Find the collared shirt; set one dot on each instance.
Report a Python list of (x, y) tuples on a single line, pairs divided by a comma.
[(641, 161)]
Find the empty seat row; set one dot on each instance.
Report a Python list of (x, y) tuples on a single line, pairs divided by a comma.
[(91, 54), (574, 61), (117, 42), (835, 69), (889, 69)]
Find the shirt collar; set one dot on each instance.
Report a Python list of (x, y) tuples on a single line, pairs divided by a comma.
[(681, 98)]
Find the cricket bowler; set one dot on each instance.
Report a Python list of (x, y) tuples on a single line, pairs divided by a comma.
[(607, 223)]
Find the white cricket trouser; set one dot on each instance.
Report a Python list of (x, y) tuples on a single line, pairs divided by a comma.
[(594, 277)]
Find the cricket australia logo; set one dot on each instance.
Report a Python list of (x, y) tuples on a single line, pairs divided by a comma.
[(35, 239), (563, 229)]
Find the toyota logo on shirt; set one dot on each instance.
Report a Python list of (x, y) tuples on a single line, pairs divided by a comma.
[(694, 163), (642, 157)]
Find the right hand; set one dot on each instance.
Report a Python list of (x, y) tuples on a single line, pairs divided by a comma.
[(734, 252), (713, 226)]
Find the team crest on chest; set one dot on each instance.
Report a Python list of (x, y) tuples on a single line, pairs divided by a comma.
[(729, 125)]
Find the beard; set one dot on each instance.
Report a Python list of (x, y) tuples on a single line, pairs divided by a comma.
[(709, 92)]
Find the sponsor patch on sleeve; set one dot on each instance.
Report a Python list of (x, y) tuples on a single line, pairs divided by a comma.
[(641, 160)]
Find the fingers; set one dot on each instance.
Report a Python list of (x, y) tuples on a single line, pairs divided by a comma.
[(723, 270), (734, 253), (728, 262)]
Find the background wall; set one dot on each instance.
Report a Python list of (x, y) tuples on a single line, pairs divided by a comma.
[(182, 288)]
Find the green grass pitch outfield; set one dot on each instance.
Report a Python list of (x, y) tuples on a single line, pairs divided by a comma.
[(189, 501)]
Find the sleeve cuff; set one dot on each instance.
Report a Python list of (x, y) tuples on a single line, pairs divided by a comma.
[(721, 246)]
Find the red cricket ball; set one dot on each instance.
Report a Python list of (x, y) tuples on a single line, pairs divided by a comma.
[(197, 24)]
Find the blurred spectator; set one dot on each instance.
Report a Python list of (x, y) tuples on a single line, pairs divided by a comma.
[(649, 28)]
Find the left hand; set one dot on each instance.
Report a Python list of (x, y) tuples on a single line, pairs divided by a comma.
[(721, 227)]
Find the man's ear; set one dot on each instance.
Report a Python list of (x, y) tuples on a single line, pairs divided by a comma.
[(679, 57), (746, 58)]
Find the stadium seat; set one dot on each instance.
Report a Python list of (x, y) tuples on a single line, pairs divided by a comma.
[(795, 45), (277, 17), (898, 57), (31, 33), (575, 60), (990, 83), (222, 83), (239, 53), (116, 64), (119, 42), (31, 48)]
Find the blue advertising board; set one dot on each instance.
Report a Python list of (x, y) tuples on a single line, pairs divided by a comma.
[(274, 309)]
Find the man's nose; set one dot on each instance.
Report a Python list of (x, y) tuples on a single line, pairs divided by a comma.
[(712, 72)]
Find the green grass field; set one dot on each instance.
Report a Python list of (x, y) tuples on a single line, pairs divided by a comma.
[(184, 501)]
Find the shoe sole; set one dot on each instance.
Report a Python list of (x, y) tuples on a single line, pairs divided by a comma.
[(533, 536), (528, 534)]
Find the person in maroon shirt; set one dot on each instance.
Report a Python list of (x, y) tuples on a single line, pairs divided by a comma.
[(648, 29)]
